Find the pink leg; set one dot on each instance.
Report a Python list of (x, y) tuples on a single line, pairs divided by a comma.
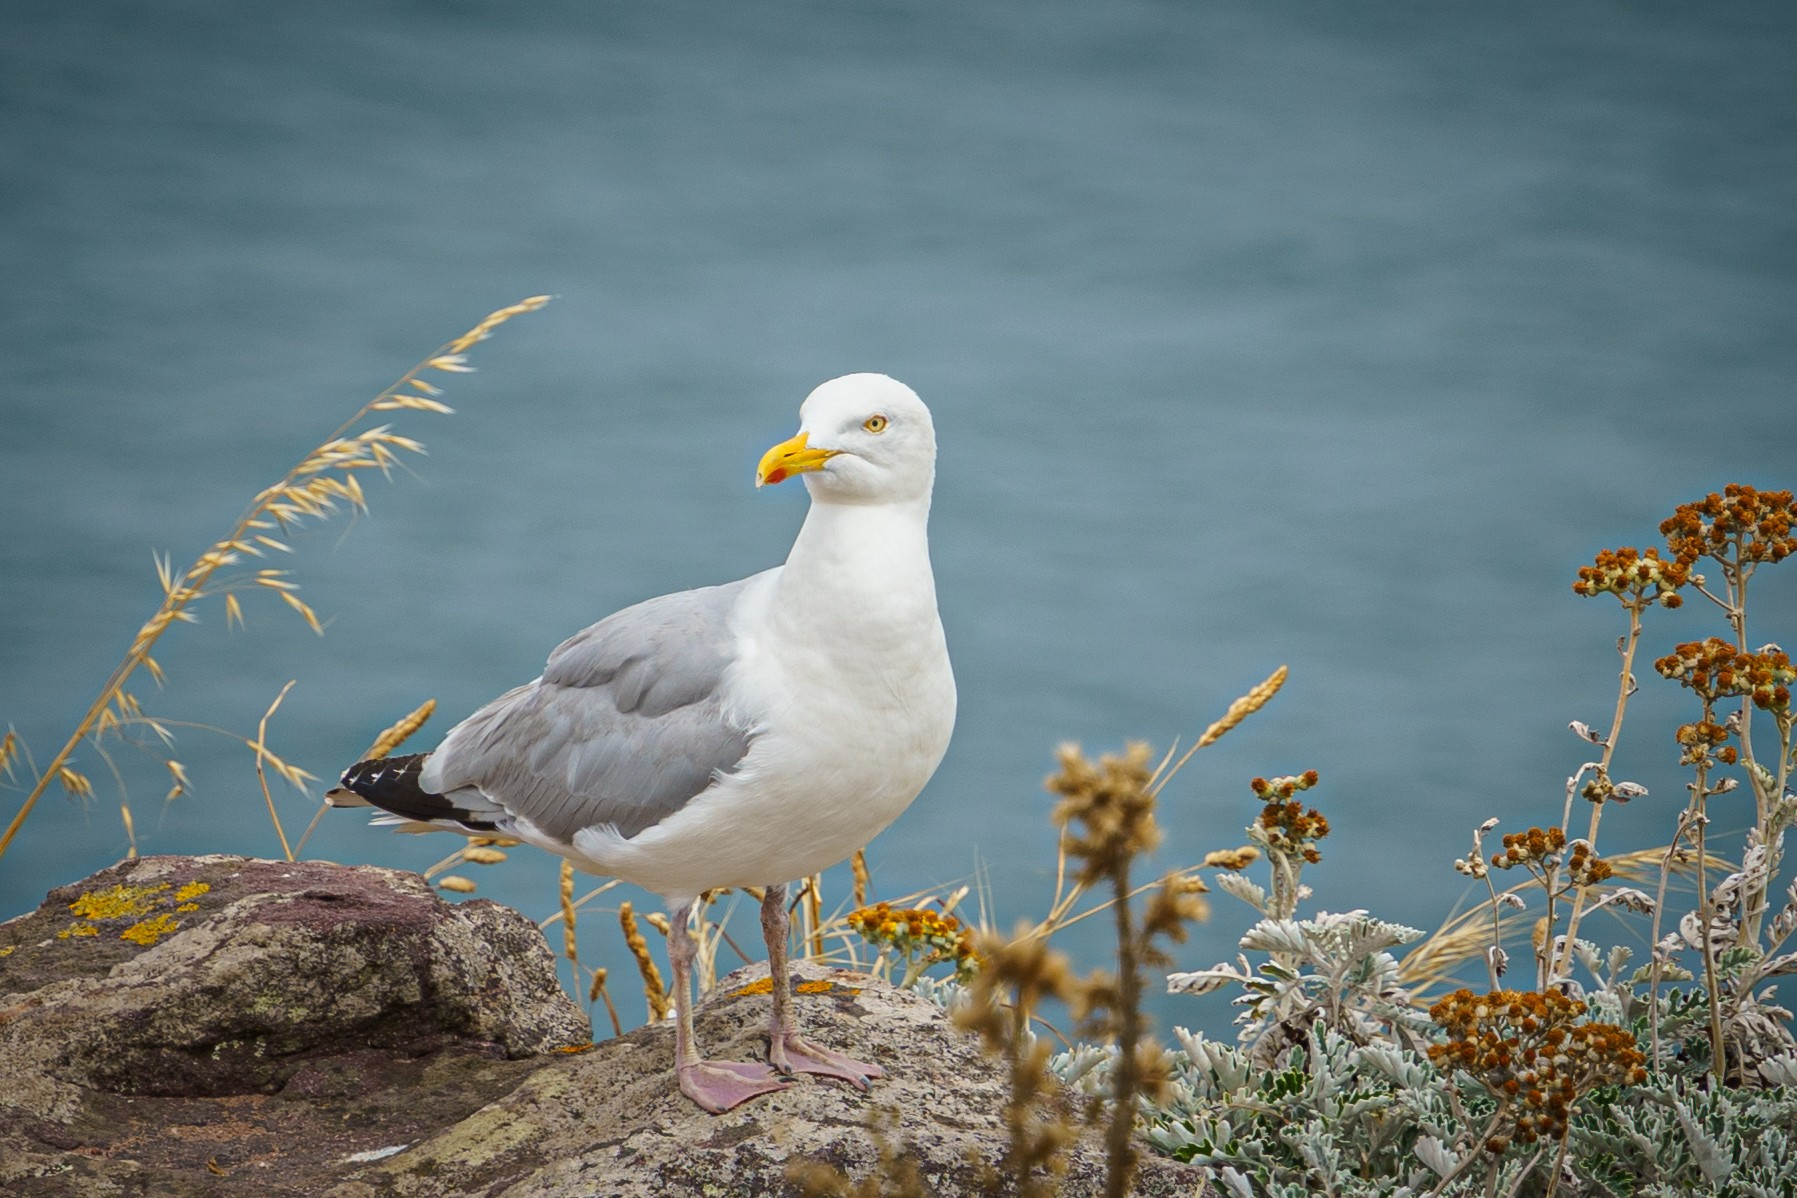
[(714, 1085), (789, 1051)]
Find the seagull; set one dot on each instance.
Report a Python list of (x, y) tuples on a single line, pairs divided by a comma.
[(741, 735)]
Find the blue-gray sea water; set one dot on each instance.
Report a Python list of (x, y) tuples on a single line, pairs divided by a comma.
[(1329, 335)]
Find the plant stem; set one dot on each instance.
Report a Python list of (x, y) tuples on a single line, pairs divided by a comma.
[(1475, 1151), (1120, 1155), (1563, 966), (1659, 908), (1705, 915)]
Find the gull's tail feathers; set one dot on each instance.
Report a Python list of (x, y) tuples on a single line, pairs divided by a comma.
[(391, 783)]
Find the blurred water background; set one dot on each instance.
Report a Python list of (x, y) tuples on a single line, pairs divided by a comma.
[(1331, 335)]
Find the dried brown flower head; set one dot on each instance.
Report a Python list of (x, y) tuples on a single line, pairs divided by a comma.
[(1741, 526), (1532, 847), (1529, 1050), (1285, 823), (1715, 669), (1635, 577), (1585, 867)]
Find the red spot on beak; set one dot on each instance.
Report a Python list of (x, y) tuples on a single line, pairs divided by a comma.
[(776, 475)]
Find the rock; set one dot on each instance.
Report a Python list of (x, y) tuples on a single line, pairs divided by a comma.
[(163, 1001), (310, 1029)]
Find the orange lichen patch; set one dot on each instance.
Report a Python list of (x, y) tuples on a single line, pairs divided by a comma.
[(573, 1048), (148, 931), (819, 986), (117, 902), (824, 986), (8, 950), (78, 929), (186, 908), (190, 892)]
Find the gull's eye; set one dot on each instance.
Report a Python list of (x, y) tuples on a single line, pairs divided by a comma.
[(874, 424)]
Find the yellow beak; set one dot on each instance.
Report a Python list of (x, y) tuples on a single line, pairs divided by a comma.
[(789, 458)]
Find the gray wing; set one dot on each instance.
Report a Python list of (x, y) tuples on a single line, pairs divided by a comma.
[(624, 727)]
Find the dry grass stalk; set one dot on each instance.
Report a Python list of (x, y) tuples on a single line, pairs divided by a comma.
[(570, 947), (1241, 709), (653, 991), (1464, 936), (316, 487), (857, 864), (294, 776), (597, 993), (399, 733)]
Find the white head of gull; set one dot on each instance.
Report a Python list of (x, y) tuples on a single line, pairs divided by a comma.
[(740, 735)]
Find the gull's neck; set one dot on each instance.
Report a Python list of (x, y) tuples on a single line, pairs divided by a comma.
[(868, 563)]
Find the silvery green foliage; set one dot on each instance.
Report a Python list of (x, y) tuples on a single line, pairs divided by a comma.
[(944, 992), (1342, 1117), (1673, 1138), (1364, 1120), (1333, 968)]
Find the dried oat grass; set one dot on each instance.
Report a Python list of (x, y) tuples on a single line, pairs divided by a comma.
[(323, 482)]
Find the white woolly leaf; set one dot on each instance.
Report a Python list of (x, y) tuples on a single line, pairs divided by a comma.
[(1243, 888), (1710, 1158), (1235, 1183), (1780, 1070), (1784, 964), (1433, 1153), (1628, 899), (1276, 936), (1204, 981)]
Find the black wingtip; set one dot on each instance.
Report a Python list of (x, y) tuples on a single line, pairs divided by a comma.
[(391, 783)]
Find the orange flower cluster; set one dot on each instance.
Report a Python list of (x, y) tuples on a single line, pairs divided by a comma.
[(1700, 738), (913, 929), (1715, 669), (1631, 574), (1531, 1053), (1769, 679), (1284, 821), (1529, 848), (1758, 521), (1585, 867)]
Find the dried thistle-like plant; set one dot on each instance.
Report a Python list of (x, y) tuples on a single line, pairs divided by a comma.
[(1015, 976)]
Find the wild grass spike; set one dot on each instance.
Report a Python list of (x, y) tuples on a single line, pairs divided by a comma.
[(320, 484)]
